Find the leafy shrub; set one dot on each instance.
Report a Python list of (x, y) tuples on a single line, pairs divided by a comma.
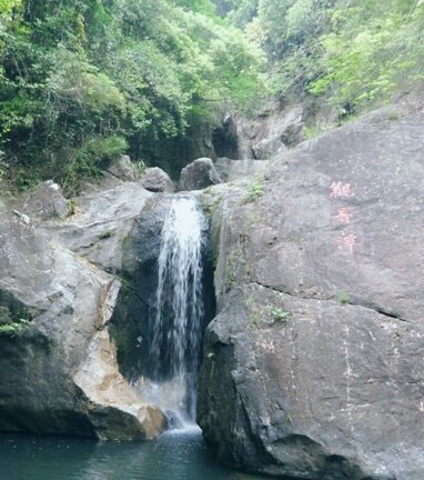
[(12, 329), (13, 319), (256, 190), (344, 297), (278, 314), (89, 160)]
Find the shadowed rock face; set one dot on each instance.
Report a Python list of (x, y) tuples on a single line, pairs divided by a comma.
[(314, 366), (130, 322), (262, 137), (198, 175), (156, 180)]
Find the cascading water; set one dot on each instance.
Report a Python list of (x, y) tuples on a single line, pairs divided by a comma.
[(177, 323)]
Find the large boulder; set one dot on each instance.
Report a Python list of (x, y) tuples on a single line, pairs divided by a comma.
[(59, 365), (156, 180), (230, 170), (123, 168), (198, 175), (44, 202), (314, 367), (100, 224)]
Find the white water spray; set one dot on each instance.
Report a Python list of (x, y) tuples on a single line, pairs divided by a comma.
[(177, 323)]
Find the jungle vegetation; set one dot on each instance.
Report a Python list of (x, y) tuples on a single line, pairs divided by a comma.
[(83, 81), (354, 54)]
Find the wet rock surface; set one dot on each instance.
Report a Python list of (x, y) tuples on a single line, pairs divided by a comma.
[(130, 322), (262, 137)]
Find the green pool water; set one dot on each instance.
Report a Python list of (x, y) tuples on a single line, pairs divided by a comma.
[(174, 456)]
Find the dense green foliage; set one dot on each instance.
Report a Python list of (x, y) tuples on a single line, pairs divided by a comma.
[(352, 53), (372, 51), (82, 81)]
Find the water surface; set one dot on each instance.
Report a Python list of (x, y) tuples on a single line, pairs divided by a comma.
[(174, 456)]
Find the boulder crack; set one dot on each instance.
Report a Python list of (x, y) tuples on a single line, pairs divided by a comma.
[(376, 309)]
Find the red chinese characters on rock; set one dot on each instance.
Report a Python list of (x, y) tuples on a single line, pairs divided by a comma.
[(344, 216), (346, 240), (340, 189)]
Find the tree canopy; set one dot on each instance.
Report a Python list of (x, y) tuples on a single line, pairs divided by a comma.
[(82, 81), (351, 53), (85, 80)]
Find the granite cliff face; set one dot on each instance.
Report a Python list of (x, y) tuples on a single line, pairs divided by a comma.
[(314, 366), (58, 291)]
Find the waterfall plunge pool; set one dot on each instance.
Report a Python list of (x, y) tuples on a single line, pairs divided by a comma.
[(175, 350), (173, 456)]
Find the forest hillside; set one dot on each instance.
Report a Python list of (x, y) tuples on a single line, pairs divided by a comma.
[(84, 81)]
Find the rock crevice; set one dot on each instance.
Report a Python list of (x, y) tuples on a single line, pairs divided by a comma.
[(343, 301)]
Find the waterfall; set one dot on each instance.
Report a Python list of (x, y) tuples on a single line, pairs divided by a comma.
[(177, 322)]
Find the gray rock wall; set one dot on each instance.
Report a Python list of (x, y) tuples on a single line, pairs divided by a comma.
[(76, 295), (59, 370), (314, 366)]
